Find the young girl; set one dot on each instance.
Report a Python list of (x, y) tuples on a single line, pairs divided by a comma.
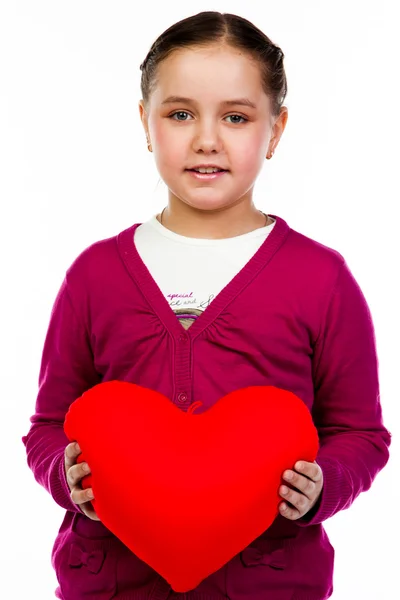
[(206, 298)]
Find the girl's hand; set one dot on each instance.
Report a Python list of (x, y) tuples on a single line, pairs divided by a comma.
[(76, 472), (307, 481)]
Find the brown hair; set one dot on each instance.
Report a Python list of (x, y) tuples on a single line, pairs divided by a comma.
[(210, 27)]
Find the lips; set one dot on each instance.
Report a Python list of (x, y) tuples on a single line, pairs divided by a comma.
[(211, 176), (206, 166)]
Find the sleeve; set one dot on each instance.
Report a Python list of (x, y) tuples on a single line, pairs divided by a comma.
[(67, 370), (354, 444)]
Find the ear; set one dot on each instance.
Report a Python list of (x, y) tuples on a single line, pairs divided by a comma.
[(143, 116), (279, 126)]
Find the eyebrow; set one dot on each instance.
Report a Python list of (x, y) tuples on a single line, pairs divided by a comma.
[(235, 102)]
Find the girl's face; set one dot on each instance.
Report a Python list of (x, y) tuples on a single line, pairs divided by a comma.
[(209, 108)]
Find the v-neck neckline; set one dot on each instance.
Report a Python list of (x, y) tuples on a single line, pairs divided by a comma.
[(148, 286)]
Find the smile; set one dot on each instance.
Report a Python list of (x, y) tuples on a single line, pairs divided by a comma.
[(206, 176)]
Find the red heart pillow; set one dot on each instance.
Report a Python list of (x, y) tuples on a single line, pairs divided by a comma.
[(186, 492)]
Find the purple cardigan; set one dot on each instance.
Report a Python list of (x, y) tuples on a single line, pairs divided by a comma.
[(295, 318)]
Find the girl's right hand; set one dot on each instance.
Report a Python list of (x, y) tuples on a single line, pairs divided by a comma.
[(75, 472)]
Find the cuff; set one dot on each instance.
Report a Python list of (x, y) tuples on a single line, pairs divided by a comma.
[(60, 488)]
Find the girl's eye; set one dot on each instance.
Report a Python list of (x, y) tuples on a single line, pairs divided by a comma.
[(180, 113), (237, 117), (180, 116)]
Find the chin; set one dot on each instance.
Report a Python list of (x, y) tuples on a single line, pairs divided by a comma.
[(206, 199), (208, 204)]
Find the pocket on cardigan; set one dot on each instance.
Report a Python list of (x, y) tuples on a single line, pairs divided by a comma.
[(259, 572), (91, 562), (86, 568)]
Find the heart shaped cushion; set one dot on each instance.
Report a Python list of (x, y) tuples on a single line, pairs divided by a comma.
[(188, 491)]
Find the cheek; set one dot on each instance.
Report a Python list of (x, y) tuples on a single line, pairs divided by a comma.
[(250, 157), (168, 147), (251, 150)]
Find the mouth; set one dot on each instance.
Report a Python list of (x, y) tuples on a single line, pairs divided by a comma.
[(206, 174), (206, 168)]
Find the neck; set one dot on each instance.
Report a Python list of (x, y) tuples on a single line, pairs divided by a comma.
[(205, 225)]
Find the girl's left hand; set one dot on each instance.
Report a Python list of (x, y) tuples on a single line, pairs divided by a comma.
[(307, 481)]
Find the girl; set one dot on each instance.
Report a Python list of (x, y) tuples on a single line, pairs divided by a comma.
[(206, 298)]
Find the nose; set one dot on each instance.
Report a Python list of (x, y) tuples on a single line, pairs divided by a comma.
[(207, 139)]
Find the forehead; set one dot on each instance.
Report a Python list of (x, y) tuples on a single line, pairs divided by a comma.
[(209, 73)]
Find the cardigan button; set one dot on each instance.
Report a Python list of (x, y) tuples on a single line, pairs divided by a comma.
[(182, 397)]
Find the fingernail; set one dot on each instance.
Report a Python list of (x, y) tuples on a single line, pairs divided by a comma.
[(77, 447), (288, 475), (284, 490), (90, 495), (85, 467)]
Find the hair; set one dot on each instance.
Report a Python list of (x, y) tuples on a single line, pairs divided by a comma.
[(207, 28)]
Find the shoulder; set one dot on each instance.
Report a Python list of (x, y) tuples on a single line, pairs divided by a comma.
[(312, 270), (314, 258), (97, 262), (325, 273), (311, 248)]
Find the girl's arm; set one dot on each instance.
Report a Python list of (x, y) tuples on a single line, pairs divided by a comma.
[(67, 370), (347, 412)]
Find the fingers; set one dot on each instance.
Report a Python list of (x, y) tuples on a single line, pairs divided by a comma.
[(71, 453), (300, 482), (289, 512), (302, 490), (80, 496), (76, 473), (308, 479), (74, 476), (299, 504), (89, 512), (311, 470)]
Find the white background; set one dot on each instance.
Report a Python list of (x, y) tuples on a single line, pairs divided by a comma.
[(75, 169)]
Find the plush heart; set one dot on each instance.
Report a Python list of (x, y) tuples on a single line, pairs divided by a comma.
[(186, 492)]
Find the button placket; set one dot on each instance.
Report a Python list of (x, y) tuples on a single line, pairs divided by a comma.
[(182, 375)]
